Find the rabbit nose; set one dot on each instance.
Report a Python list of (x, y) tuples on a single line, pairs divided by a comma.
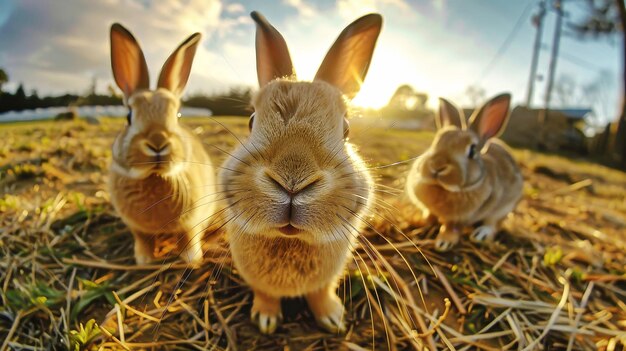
[(438, 169), (293, 188), (156, 149), (289, 209)]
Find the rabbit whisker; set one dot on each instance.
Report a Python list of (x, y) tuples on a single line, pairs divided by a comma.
[(174, 193), (185, 277), (369, 273), (406, 262), (239, 140)]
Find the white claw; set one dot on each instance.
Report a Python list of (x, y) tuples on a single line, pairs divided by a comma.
[(483, 233), (334, 321), (267, 324), (442, 245)]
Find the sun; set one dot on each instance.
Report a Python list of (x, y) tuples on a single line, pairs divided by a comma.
[(391, 67), (373, 95), (387, 72)]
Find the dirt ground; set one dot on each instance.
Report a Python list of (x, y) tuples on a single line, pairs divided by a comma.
[(554, 279)]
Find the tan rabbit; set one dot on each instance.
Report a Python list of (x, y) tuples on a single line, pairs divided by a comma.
[(467, 177), (161, 179), (297, 191)]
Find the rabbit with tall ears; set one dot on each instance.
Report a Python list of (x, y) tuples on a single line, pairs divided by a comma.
[(161, 178), (296, 190), (467, 176)]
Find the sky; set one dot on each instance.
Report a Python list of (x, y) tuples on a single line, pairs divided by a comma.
[(437, 46)]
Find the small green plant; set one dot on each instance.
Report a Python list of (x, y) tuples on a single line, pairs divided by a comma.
[(552, 256), (81, 339), (9, 202), (94, 291), (36, 295), (78, 200)]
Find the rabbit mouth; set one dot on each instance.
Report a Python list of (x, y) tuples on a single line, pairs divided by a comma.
[(289, 230), (438, 181), (160, 167), (453, 188)]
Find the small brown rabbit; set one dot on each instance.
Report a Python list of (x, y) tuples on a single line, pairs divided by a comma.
[(297, 192), (161, 179), (467, 176)]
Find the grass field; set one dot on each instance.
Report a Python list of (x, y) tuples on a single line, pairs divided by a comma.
[(554, 279)]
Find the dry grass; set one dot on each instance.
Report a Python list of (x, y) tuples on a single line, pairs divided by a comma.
[(554, 280)]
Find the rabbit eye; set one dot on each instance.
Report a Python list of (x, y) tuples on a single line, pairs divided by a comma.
[(130, 112), (471, 151), (251, 121), (179, 115)]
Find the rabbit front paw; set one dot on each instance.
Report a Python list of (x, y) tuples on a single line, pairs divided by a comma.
[(192, 251), (266, 313), (483, 233), (427, 219), (143, 249), (447, 238), (327, 309)]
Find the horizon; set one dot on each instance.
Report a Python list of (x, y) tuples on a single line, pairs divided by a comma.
[(440, 47)]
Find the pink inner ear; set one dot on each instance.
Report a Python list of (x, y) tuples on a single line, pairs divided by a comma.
[(493, 118)]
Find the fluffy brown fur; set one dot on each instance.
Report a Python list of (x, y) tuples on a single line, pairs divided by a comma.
[(295, 188), (161, 179), (461, 187)]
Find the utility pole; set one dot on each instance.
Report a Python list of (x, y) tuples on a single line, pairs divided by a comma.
[(558, 7), (537, 21)]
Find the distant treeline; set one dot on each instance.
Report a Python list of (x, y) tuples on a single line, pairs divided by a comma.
[(234, 102), (20, 101)]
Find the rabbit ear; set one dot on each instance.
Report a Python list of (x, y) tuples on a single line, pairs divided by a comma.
[(127, 61), (491, 119), (348, 60), (272, 55), (175, 71), (449, 115)]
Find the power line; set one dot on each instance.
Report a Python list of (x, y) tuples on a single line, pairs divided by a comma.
[(577, 61), (580, 62), (506, 43)]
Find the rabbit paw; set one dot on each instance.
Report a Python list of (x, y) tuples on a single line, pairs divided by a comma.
[(143, 250), (427, 219), (193, 256), (142, 258), (266, 313), (447, 238), (483, 233), (328, 310), (192, 250)]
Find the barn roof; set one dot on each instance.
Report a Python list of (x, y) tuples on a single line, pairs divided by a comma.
[(574, 113)]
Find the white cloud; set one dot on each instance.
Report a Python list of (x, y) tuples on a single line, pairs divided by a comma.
[(72, 38), (305, 10), (350, 9), (235, 8), (57, 46), (439, 5)]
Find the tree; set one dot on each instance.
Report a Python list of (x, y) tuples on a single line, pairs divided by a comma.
[(20, 93), (596, 93), (607, 18), (565, 90), (4, 78), (475, 94), (235, 102), (406, 98)]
